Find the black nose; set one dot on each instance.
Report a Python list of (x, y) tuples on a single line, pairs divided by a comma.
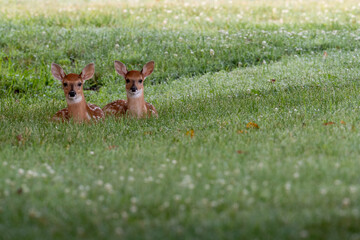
[(72, 93), (133, 88)]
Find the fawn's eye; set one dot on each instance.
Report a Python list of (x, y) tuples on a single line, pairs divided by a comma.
[(140, 81), (127, 80), (65, 84), (79, 84)]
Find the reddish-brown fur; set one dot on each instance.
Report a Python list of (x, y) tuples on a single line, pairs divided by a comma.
[(77, 109), (135, 105)]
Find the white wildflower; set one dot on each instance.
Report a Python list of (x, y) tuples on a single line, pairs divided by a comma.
[(288, 186), (133, 200), (187, 182), (108, 187), (21, 171), (133, 209), (346, 202), (99, 182)]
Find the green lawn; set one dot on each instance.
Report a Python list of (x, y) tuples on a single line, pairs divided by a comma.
[(198, 171)]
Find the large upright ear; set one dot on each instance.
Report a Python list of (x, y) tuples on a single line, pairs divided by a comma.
[(120, 68), (57, 71), (87, 72), (148, 69)]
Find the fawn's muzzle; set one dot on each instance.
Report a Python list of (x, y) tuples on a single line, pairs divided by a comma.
[(72, 94), (133, 88)]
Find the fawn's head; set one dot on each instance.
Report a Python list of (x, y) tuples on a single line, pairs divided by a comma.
[(73, 83), (134, 79)]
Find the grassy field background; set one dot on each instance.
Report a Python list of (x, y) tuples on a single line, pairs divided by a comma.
[(199, 171)]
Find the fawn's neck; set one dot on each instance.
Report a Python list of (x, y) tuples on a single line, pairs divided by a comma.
[(136, 105), (78, 110)]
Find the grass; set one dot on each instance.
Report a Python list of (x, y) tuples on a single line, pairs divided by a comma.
[(296, 177)]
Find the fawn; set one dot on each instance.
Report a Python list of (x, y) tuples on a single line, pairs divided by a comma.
[(135, 105), (72, 84)]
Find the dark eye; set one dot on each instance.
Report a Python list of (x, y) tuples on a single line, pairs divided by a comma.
[(79, 84), (65, 84), (127, 80), (140, 81)]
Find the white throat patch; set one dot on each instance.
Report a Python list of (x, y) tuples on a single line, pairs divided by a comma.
[(136, 94), (74, 100)]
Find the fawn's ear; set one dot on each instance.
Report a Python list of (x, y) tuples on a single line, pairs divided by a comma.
[(148, 69), (87, 72), (57, 71), (120, 68)]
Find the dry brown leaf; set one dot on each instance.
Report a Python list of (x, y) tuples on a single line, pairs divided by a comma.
[(190, 133), (111, 147), (328, 123), (342, 122), (325, 55), (252, 125), (241, 131), (19, 138)]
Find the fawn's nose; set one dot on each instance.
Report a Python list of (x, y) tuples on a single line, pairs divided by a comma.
[(72, 93), (133, 88)]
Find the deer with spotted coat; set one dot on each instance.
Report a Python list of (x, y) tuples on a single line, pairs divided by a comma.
[(72, 84), (135, 106)]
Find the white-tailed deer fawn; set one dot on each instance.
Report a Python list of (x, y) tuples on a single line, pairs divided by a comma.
[(72, 84), (135, 105)]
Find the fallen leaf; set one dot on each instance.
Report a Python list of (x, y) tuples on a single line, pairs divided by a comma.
[(147, 133), (240, 152), (19, 137), (273, 80), (111, 147), (342, 122), (325, 55), (328, 123), (252, 125), (241, 131), (190, 133)]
